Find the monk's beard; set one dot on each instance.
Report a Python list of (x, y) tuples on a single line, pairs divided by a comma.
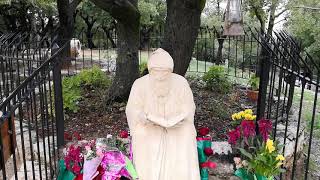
[(161, 88)]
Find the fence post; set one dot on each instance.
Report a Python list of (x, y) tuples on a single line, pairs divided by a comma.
[(58, 100), (264, 69)]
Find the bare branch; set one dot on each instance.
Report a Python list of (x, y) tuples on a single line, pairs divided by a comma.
[(279, 14), (306, 7)]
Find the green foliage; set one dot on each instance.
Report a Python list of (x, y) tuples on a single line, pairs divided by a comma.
[(71, 93), (304, 24), (94, 77), (72, 86), (217, 80), (152, 12), (254, 83), (142, 67), (263, 161)]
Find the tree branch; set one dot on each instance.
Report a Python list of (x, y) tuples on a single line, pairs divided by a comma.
[(283, 11), (306, 7), (122, 10)]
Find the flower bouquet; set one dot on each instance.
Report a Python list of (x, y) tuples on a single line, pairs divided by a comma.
[(260, 160), (204, 152), (102, 158)]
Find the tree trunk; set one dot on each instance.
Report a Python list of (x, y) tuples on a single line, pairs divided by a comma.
[(127, 66), (181, 30), (66, 28), (90, 36), (272, 16), (219, 59)]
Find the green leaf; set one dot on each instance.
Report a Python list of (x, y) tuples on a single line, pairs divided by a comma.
[(244, 152)]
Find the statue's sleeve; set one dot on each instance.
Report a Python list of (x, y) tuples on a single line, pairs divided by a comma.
[(187, 104), (134, 107)]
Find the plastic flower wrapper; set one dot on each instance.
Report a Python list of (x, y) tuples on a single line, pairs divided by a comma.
[(204, 151), (116, 165)]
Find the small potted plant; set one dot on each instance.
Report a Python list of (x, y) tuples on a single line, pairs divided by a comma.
[(253, 92), (262, 164)]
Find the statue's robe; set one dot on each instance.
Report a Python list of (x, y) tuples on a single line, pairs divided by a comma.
[(164, 147)]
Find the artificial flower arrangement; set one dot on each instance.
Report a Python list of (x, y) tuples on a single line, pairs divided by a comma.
[(261, 160), (204, 143), (99, 159)]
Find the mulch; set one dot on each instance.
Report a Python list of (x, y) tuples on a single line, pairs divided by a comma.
[(214, 110)]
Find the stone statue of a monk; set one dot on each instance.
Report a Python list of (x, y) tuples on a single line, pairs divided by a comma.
[(160, 114)]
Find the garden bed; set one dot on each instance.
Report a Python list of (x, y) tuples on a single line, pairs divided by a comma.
[(96, 119)]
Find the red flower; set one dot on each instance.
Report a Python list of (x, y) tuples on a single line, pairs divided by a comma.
[(234, 136), (208, 151), (124, 134), (76, 169), (79, 177), (265, 126), (77, 136), (204, 131), (248, 128), (67, 136), (208, 164)]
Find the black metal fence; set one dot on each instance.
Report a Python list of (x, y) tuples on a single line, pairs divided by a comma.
[(289, 90), (238, 54), (28, 107), (31, 113)]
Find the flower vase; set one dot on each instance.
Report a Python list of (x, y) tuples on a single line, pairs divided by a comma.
[(260, 177)]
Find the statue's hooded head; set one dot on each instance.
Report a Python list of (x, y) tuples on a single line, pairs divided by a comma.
[(160, 64)]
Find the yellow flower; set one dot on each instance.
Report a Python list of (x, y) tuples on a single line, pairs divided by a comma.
[(248, 117), (269, 146), (242, 114), (234, 116), (248, 111), (280, 158), (254, 117), (279, 164), (238, 116)]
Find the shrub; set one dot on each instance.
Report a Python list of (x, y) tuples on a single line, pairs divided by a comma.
[(94, 77), (71, 86), (71, 92), (254, 83), (217, 80), (142, 67)]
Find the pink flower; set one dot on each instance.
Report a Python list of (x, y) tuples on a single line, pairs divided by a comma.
[(265, 127), (248, 128), (100, 152), (88, 148), (204, 131), (234, 136)]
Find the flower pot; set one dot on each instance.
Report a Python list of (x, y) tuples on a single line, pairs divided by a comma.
[(252, 95), (243, 174), (5, 137)]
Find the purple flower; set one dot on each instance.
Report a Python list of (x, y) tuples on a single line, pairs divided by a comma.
[(265, 127), (234, 135), (248, 128)]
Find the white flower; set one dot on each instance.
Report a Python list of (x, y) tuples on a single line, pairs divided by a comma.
[(109, 136)]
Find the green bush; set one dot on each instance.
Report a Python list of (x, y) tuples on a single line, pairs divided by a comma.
[(71, 86), (217, 80), (94, 77), (143, 66), (71, 92), (254, 83)]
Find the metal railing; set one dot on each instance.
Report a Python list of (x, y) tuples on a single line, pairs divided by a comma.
[(28, 109), (289, 90)]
